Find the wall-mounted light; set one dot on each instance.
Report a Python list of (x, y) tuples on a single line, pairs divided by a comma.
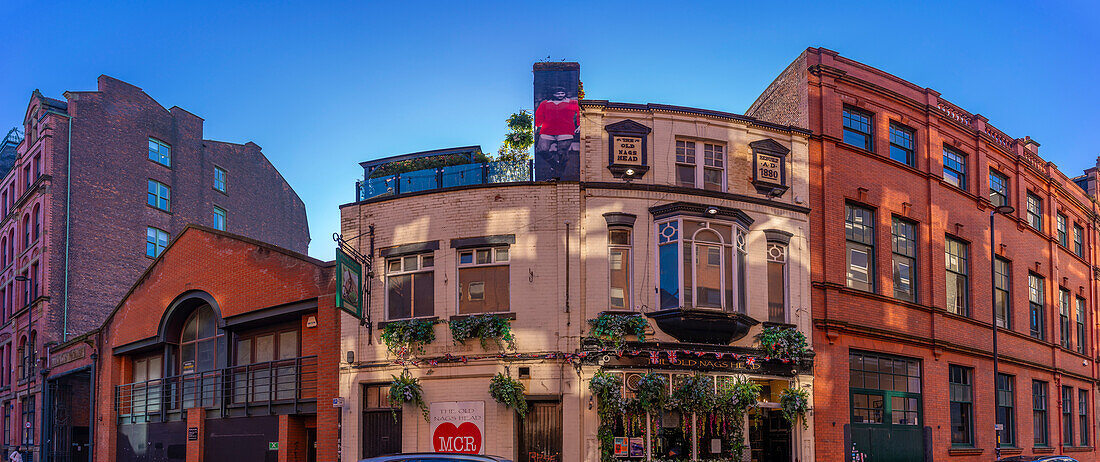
[(712, 210), (629, 172)]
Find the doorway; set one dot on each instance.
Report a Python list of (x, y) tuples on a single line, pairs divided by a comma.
[(769, 435), (540, 432)]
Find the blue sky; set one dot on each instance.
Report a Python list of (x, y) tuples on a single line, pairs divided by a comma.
[(323, 86)]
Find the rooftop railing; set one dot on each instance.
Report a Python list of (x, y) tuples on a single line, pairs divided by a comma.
[(252, 387), (446, 177)]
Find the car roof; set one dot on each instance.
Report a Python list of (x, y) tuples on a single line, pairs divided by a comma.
[(436, 455)]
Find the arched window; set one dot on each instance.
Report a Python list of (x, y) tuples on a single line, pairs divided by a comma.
[(4, 249), (701, 264), (32, 354), (21, 353), (11, 245), (37, 221), (26, 231), (198, 344)]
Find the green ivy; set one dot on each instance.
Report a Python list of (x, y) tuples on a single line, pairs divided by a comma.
[(783, 343), (509, 392), (409, 336), (607, 388), (735, 400), (406, 389), (485, 328), (795, 403), (611, 328)]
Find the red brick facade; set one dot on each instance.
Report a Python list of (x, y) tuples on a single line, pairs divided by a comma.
[(77, 230), (253, 288), (814, 92)]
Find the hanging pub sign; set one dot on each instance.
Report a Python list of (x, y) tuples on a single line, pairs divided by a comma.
[(349, 297), (628, 154), (769, 167)]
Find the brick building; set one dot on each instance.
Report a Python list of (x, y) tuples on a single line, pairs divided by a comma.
[(906, 284), (102, 181), (478, 241), (232, 363)]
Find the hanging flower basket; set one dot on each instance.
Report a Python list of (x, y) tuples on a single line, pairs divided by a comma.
[(611, 328), (486, 328), (406, 389), (509, 392), (652, 393), (695, 394), (607, 389), (403, 338), (783, 343), (795, 403)]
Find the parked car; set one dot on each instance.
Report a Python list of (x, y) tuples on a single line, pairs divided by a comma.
[(1037, 459), (436, 457)]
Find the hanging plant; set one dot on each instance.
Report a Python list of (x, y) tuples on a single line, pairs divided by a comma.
[(409, 336), (652, 393), (735, 400), (608, 390), (694, 394), (611, 328), (795, 403), (485, 328), (509, 392), (406, 389), (783, 343)]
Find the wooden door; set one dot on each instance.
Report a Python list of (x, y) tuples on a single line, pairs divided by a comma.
[(540, 434)]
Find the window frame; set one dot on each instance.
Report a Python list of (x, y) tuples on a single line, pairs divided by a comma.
[(1036, 305), (859, 383), (1082, 318), (904, 247), (1083, 417), (1039, 407), (962, 272), (778, 255), (224, 180), (957, 167), (859, 236), (1078, 240), (899, 134), (1062, 227), (158, 194), (1007, 439), (158, 249), (493, 262), (387, 274), (732, 246), (1065, 327), (1002, 285), (997, 196), (223, 217), (163, 154), (701, 161), (849, 125), (1034, 212), (965, 383), (628, 261), (1067, 415)]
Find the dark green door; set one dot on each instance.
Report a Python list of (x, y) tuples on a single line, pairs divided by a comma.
[(886, 408)]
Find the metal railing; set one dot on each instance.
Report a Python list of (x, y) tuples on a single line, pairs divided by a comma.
[(446, 177), (252, 386)]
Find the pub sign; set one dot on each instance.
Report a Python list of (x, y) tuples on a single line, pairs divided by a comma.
[(349, 275), (769, 167), (628, 154)]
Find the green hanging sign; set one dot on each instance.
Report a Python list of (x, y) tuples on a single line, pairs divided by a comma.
[(349, 278)]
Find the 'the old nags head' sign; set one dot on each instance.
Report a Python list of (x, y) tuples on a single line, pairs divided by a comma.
[(458, 426)]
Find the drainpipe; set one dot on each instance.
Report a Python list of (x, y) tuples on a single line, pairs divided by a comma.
[(68, 200), (92, 416)]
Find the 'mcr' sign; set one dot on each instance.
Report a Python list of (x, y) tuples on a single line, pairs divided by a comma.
[(458, 426)]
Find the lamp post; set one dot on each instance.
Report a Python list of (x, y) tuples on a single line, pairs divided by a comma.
[(1006, 210)]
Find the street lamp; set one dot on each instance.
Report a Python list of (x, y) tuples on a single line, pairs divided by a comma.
[(1006, 210)]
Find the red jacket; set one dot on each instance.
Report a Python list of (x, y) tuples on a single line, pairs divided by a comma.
[(556, 119)]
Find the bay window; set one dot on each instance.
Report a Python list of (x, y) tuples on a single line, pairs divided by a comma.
[(701, 264)]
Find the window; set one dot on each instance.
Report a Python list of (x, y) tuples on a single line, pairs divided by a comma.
[(710, 173), (219, 179), (483, 280), (1034, 211), (1079, 240), (160, 196), (1067, 416), (1035, 298), (199, 341), (954, 168), (27, 179), (998, 188), (7, 422), (160, 152), (1002, 281), (37, 166), (1063, 232), (37, 217), (961, 394), (901, 144), (620, 265), (700, 264), (1083, 415), (885, 390), (857, 128), (1039, 412), (27, 405), (155, 241), (859, 229), (26, 232), (1063, 318), (410, 286), (905, 259), (957, 284), (1082, 338), (219, 218), (777, 282), (1006, 410)]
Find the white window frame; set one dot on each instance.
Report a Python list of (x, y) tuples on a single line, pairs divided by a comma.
[(420, 268), (629, 247), (735, 242), (699, 148)]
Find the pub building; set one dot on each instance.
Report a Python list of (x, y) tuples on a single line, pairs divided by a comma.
[(692, 220)]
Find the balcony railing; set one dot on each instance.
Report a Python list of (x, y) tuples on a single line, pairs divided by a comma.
[(446, 177), (252, 388)]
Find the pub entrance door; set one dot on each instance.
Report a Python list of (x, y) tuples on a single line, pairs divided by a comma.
[(769, 435), (540, 433)]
